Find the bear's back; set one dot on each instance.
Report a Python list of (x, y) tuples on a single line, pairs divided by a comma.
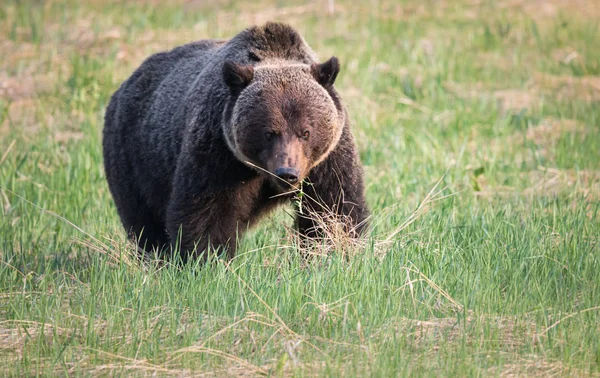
[(138, 92), (140, 143)]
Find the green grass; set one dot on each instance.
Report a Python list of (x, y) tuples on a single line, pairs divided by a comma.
[(497, 274)]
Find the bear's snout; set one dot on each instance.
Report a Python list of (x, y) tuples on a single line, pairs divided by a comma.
[(288, 174)]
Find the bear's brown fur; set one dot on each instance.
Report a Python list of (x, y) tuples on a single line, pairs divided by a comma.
[(204, 139)]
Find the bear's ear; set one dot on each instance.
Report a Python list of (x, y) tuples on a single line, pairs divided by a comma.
[(237, 76), (325, 73)]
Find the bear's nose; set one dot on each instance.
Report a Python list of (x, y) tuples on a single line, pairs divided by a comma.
[(288, 174)]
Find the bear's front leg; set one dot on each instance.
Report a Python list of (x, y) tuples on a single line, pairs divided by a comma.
[(204, 209), (334, 192), (196, 222)]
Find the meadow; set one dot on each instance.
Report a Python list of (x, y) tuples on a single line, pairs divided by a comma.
[(478, 124)]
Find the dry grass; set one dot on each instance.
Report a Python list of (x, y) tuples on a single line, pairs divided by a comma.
[(552, 181), (540, 86), (548, 9), (535, 366), (509, 333), (585, 88), (544, 182), (14, 334), (544, 135), (507, 101)]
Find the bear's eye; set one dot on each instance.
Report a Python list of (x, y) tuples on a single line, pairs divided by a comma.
[(269, 136), (305, 135)]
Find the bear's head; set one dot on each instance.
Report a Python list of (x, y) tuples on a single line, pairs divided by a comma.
[(284, 118)]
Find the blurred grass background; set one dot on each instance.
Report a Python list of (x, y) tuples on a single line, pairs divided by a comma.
[(496, 273)]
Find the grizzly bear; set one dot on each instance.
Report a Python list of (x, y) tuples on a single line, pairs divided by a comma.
[(203, 140)]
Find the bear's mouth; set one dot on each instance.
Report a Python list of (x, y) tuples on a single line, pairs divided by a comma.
[(283, 186)]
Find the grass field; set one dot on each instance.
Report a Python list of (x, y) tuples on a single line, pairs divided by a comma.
[(478, 123)]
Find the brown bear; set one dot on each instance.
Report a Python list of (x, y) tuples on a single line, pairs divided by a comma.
[(203, 140)]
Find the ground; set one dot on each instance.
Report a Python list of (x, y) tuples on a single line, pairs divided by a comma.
[(478, 123)]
